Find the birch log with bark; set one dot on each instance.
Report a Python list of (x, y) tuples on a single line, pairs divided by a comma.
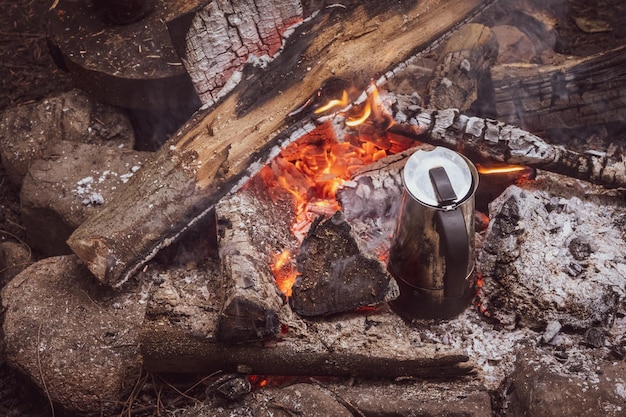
[(219, 149), (579, 92)]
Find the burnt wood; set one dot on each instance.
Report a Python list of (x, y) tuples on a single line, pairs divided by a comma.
[(578, 92), (461, 76), (220, 148), (253, 227), (335, 274), (492, 141)]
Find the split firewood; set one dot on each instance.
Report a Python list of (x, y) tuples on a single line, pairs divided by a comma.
[(579, 92), (336, 275), (463, 68), (492, 141), (253, 231), (218, 150)]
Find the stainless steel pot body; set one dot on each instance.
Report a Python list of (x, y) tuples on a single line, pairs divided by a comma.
[(432, 253)]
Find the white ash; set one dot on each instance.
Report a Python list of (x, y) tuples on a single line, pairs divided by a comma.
[(550, 255), (90, 189)]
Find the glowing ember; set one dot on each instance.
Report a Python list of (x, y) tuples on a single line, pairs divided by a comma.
[(284, 272), (500, 169)]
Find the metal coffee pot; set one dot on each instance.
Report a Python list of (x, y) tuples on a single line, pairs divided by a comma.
[(432, 253)]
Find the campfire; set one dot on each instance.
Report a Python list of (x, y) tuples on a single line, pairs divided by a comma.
[(316, 222)]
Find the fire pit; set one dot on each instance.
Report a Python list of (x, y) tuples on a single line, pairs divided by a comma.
[(262, 244)]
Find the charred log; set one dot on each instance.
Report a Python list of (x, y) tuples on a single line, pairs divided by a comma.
[(251, 228), (487, 140), (335, 275), (579, 92)]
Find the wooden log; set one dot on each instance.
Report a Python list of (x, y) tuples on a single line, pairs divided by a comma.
[(492, 141), (134, 65), (216, 40), (219, 149), (378, 350), (253, 229), (463, 69), (579, 92)]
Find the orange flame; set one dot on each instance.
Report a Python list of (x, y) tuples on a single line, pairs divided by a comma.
[(313, 169), (284, 272), (499, 169), (343, 102), (362, 118)]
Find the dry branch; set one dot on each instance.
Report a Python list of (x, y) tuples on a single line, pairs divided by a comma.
[(219, 149), (167, 350), (486, 140)]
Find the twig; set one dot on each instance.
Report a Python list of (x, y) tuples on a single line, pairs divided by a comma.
[(43, 380)]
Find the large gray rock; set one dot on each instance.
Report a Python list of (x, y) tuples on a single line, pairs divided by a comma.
[(64, 188), (27, 131), (75, 339)]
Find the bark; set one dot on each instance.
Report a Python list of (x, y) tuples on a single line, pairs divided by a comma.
[(166, 350), (487, 140), (219, 149), (580, 92)]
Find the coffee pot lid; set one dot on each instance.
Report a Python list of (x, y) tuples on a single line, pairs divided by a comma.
[(418, 176)]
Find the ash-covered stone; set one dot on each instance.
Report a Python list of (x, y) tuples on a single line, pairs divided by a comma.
[(553, 253)]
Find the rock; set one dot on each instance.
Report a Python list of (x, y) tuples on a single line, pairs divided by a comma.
[(14, 257), (541, 387), (305, 400), (76, 339), (63, 189), (27, 131), (554, 251), (552, 329)]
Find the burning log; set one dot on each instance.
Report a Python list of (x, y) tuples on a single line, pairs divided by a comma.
[(579, 92), (491, 141), (336, 275), (251, 228), (219, 149)]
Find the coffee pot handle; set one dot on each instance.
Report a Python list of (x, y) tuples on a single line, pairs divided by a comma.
[(453, 232)]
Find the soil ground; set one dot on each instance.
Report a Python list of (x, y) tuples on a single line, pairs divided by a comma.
[(28, 74)]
